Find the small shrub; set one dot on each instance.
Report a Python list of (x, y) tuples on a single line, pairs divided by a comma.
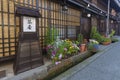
[(96, 35), (106, 40), (51, 35), (80, 38), (114, 40), (112, 33)]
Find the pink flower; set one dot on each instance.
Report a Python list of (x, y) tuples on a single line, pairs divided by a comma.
[(53, 53), (48, 47), (60, 56), (57, 62), (65, 49)]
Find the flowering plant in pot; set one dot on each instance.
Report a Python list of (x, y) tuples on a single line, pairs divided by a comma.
[(81, 45), (61, 49), (93, 45), (51, 35)]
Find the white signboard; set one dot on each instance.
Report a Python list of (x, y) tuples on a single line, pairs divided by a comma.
[(29, 24)]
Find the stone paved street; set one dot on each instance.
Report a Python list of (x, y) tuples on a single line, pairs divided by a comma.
[(105, 67)]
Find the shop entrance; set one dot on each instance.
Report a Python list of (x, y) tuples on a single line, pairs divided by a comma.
[(86, 27)]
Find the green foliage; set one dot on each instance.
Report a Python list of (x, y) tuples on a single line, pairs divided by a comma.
[(51, 35), (93, 31), (114, 39), (96, 35), (93, 45), (106, 40), (112, 33), (90, 46), (76, 42), (80, 38)]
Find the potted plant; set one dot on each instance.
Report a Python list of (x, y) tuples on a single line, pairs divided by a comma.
[(82, 45), (106, 41), (61, 49), (96, 35), (93, 45), (50, 37), (111, 36), (112, 33)]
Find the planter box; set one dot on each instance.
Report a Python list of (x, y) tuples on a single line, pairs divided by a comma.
[(54, 70)]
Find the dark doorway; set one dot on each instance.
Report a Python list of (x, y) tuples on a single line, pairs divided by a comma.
[(102, 26), (86, 27)]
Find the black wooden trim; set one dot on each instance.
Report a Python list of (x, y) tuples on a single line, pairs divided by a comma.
[(25, 11)]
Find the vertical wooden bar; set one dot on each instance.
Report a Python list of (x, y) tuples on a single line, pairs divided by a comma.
[(15, 28), (28, 3), (2, 27), (9, 27), (37, 4), (59, 21), (32, 3), (40, 25), (59, 9), (23, 2), (64, 23), (56, 17)]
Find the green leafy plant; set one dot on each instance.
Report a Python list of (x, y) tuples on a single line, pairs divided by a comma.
[(112, 33), (96, 35), (80, 38), (114, 40), (93, 45), (106, 40), (51, 35), (93, 31)]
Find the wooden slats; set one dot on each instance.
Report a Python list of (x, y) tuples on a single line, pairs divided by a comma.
[(52, 15)]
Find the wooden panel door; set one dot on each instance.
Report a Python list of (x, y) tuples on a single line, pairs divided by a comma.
[(86, 27), (102, 26)]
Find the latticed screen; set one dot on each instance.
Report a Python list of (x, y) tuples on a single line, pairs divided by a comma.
[(66, 22)]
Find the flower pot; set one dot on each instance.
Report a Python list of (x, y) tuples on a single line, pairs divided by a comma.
[(82, 47), (95, 48), (106, 43)]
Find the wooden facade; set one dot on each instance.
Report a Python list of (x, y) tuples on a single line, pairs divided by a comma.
[(52, 16), (68, 23), (102, 20)]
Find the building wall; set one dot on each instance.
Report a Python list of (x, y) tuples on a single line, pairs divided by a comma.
[(94, 21), (94, 2), (52, 15)]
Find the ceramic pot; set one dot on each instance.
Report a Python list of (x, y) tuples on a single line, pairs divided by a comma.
[(82, 47)]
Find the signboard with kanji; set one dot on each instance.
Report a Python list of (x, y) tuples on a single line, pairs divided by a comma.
[(29, 24)]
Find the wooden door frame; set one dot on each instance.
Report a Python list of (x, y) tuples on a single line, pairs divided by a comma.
[(89, 18)]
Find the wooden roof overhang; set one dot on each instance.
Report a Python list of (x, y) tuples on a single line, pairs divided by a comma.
[(25, 11), (92, 8)]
